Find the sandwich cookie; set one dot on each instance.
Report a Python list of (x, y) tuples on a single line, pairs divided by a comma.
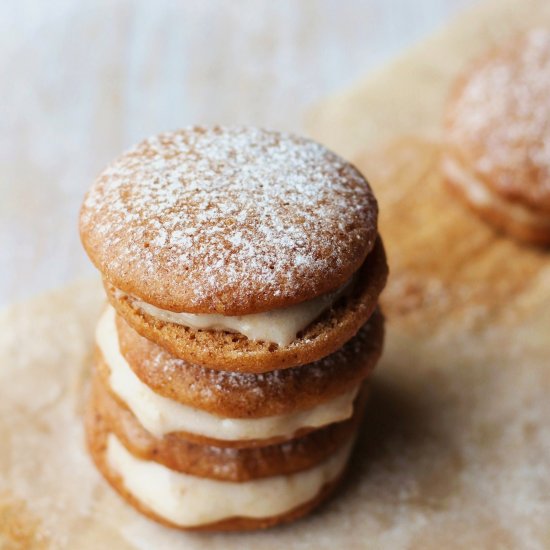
[(192, 503), (497, 135), (237, 248), (107, 415), (162, 415), (243, 395), (229, 351)]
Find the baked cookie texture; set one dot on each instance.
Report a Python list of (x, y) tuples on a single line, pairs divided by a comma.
[(228, 223), (245, 395), (234, 352), (106, 414), (216, 440), (228, 220), (497, 128), (98, 447)]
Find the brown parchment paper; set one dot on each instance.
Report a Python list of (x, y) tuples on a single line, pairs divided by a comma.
[(455, 452)]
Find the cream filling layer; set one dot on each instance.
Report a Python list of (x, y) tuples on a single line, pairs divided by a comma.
[(279, 326), (481, 195), (161, 415), (188, 501)]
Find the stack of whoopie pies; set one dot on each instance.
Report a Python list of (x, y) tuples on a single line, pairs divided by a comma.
[(243, 269)]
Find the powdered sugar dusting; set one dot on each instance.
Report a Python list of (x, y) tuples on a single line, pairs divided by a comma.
[(501, 118), (228, 219)]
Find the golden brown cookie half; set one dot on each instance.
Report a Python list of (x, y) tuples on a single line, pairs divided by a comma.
[(228, 220), (226, 351), (106, 415), (243, 395), (497, 128)]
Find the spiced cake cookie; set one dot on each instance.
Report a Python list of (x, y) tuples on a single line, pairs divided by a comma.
[(497, 135), (105, 414), (245, 395), (197, 419), (236, 248), (194, 503)]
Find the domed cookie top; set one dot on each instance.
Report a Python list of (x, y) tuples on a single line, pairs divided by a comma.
[(228, 220), (498, 120)]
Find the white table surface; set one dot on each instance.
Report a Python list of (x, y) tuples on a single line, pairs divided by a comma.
[(81, 81)]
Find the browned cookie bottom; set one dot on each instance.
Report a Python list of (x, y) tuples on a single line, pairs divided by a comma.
[(97, 444)]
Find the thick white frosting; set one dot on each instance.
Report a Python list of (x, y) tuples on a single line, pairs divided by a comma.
[(161, 415), (481, 195), (279, 326), (189, 501)]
